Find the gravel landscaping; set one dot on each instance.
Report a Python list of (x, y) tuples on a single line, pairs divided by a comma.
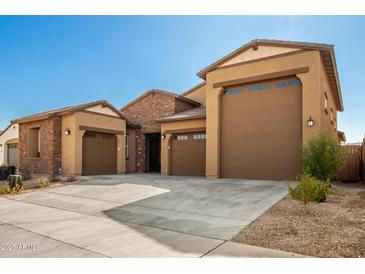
[(335, 228)]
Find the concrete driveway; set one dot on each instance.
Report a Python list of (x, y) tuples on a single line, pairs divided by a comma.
[(139, 215)]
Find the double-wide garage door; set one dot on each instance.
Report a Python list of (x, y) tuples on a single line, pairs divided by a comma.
[(187, 154), (261, 130), (99, 153)]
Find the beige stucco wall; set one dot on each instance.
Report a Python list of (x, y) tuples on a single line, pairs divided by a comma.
[(9, 136), (165, 144), (103, 109), (261, 52), (327, 126), (197, 95), (311, 98), (72, 144)]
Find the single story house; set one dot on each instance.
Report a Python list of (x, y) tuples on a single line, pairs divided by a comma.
[(86, 139), (9, 145), (248, 118)]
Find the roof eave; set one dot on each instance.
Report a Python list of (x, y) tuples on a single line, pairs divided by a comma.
[(166, 120), (46, 115)]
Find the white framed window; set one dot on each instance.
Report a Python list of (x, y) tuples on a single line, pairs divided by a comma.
[(181, 137), (200, 136)]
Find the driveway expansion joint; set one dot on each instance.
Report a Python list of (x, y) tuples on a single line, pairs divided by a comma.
[(62, 242)]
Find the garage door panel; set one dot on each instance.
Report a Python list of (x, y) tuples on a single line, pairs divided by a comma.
[(99, 154), (261, 132), (253, 108), (188, 156), (263, 120), (250, 172)]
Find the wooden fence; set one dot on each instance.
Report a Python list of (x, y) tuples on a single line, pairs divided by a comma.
[(353, 169)]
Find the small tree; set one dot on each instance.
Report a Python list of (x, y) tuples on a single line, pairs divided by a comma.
[(323, 156)]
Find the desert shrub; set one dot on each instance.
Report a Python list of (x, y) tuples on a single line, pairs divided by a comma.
[(4, 190), (309, 189), (42, 182), (323, 156)]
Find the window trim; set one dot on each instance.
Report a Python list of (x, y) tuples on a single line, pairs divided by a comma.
[(325, 103), (29, 154)]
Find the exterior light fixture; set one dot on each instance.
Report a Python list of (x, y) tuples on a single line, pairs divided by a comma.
[(310, 122), (163, 136), (67, 131)]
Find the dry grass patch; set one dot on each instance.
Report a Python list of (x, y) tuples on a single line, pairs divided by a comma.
[(335, 228)]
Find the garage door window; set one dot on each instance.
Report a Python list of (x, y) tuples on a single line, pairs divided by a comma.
[(90, 135), (107, 137), (201, 136), (233, 91), (181, 137)]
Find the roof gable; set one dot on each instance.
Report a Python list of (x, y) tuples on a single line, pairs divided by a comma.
[(253, 53), (163, 92), (92, 107)]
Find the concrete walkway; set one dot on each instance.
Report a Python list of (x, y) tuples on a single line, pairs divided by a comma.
[(136, 216)]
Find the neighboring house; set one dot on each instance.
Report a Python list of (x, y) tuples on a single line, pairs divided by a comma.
[(249, 118), (85, 139), (262, 103), (9, 145), (143, 133)]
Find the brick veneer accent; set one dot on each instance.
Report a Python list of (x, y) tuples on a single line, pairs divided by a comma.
[(50, 154), (144, 112), (181, 105)]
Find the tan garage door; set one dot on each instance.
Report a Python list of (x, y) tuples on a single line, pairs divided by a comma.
[(261, 130), (188, 154), (99, 152)]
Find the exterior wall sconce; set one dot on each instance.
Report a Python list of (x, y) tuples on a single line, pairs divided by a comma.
[(163, 136), (310, 122), (67, 131)]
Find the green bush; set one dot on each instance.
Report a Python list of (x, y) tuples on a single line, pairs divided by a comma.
[(309, 189), (323, 156), (15, 182)]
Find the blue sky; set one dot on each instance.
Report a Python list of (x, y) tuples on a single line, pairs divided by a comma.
[(49, 62)]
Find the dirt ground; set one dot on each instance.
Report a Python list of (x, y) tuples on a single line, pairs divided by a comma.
[(335, 228)]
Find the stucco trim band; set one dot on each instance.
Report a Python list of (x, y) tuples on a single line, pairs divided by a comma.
[(267, 76), (104, 130)]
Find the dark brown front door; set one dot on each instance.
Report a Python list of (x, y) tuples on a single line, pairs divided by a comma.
[(153, 152), (188, 154), (261, 130), (99, 153)]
